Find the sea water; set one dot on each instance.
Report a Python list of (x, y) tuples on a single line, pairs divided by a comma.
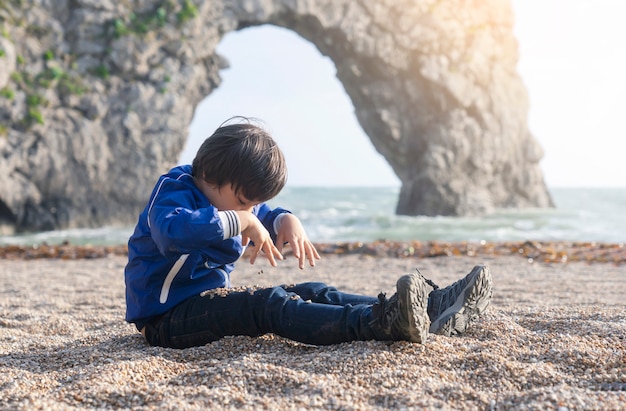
[(339, 214)]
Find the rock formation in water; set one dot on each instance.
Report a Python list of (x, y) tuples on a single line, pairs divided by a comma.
[(96, 97)]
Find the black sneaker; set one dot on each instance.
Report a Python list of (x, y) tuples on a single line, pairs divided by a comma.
[(403, 316), (452, 309)]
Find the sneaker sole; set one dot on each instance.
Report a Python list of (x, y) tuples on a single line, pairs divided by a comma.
[(470, 304), (417, 300)]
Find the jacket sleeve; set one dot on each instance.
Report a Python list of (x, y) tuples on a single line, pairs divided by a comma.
[(176, 225)]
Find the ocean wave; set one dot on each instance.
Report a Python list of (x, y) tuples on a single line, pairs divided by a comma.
[(367, 214)]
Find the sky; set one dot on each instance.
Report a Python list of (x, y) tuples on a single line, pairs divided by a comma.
[(572, 61)]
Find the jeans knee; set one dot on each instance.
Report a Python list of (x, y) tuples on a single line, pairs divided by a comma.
[(314, 291)]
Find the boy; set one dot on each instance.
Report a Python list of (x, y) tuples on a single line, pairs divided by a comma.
[(199, 220)]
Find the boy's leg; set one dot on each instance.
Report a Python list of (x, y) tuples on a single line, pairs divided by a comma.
[(452, 309), (204, 319), (325, 294), (355, 317)]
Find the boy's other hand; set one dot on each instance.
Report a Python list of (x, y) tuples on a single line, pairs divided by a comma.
[(252, 230), (291, 231)]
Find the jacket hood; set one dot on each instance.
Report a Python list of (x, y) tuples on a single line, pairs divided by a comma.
[(179, 170)]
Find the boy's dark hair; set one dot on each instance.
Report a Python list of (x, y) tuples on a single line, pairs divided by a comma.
[(244, 155)]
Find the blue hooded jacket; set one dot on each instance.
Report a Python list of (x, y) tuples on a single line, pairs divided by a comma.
[(180, 247)]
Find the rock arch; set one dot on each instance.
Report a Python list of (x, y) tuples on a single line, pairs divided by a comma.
[(97, 97)]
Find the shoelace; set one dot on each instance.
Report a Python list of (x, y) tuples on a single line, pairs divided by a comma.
[(428, 280), (386, 316), (381, 298)]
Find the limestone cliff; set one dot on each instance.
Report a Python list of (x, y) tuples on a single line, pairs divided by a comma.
[(96, 97)]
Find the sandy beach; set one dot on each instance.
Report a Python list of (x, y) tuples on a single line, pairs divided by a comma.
[(553, 338)]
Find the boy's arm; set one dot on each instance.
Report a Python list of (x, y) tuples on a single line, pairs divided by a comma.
[(176, 227), (270, 217), (253, 230), (292, 232), (287, 228)]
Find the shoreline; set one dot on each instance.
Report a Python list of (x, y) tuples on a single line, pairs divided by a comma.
[(539, 251)]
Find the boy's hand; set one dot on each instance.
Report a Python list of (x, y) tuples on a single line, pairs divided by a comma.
[(252, 229), (292, 232)]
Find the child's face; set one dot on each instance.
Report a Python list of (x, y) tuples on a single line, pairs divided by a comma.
[(224, 197)]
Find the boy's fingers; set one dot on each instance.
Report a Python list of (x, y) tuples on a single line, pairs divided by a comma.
[(311, 260), (317, 254), (272, 253), (272, 261), (255, 253), (311, 253), (295, 247), (314, 253), (279, 244), (301, 254), (278, 253)]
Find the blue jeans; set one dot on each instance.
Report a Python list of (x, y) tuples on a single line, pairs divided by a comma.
[(312, 313)]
